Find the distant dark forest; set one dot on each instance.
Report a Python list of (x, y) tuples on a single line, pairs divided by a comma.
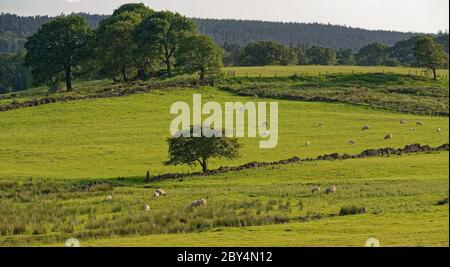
[(14, 30), (294, 34)]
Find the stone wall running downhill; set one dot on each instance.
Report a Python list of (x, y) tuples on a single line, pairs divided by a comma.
[(381, 152)]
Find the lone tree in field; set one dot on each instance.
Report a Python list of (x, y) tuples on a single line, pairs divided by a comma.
[(198, 150), (429, 54), (199, 54), (58, 47)]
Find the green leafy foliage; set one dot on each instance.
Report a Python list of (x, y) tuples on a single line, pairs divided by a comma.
[(430, 54), (267, 53), (57, 48), (14, 76), (199, 54), (192, 150)]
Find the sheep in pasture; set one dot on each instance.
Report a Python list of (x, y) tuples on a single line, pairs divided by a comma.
[(419, 123), (412, 129), (146, 208), (156, 195), (161, 192), (108, 198), (365, 128), (308, 143), (315, 189), (352, 142), (198, 203), (331, 189), (388, 137), (439, 130), (402, 121)]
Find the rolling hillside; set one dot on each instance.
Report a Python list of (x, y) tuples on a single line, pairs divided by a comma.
[(76, 170)]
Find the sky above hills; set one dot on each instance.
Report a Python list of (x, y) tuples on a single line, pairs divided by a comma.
[(400, 15)]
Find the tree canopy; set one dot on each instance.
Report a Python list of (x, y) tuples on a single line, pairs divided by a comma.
[(430, 54), (199, 54), (58, 47), (267, 53), (169, 28), (199, 150), (115, 45), (374, 54), (14, 76)]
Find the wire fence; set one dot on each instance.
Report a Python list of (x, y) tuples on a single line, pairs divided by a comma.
[(416, 73)]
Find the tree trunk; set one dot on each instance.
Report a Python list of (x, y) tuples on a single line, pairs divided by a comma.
[(169, 66), (202, 75), (68, 79), (167, 56), (204, 165), (141, 73), (124, 75), (434, 74)]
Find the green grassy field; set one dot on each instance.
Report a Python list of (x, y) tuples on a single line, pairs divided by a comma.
[(58, 162), (400, 194), (125, 137)]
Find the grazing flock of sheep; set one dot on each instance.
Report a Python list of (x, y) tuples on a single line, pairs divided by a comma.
[(332, 189), (160, 192), (368, 127), (328, 190), (315, 189)]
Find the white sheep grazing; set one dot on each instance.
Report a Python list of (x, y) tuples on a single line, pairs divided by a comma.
[(198, 203), (365, 128), (146, 208), (108, 198), (161, 192), (352, 142), (331, 189), (308, 143), (315, 189), (419, 123), (439, 130), (156, 195), (402, 121)]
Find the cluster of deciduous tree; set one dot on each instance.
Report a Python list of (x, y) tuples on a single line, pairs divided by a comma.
[(135, 42), (405, 53)]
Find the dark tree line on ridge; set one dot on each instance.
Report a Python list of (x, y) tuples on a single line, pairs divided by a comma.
[(15, 29)]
